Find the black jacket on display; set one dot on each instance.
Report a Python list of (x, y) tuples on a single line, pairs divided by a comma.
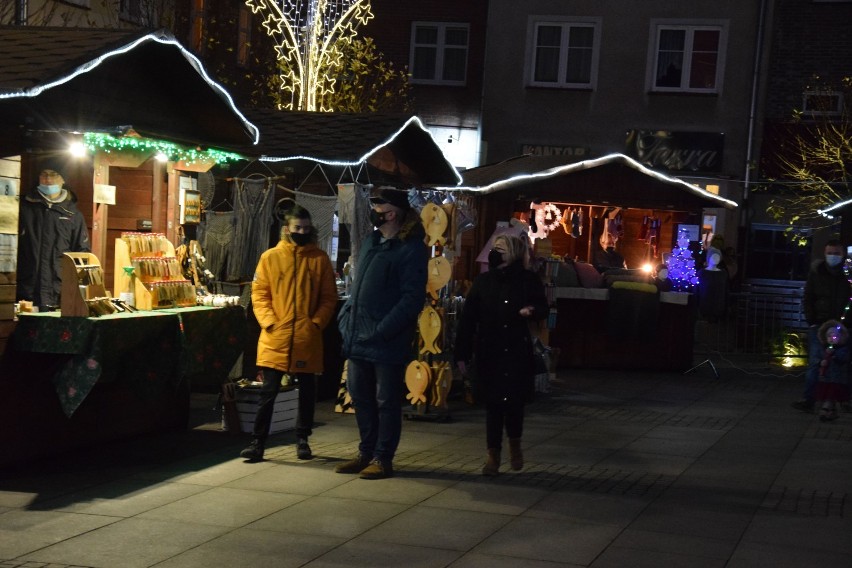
[(492, 330), (46, 230)]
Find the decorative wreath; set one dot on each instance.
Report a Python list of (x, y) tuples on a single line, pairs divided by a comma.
[(548, 216)]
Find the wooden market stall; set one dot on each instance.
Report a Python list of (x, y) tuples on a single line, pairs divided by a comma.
[(598, 324)]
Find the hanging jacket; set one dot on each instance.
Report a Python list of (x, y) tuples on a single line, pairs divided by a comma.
[(46, 230), (293, 296), (492, 330), (379, 320)]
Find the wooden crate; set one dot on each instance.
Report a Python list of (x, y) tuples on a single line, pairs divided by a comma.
[(283, 414)]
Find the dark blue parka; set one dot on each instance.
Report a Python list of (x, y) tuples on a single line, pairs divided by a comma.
[(45, 231), (492, 331), (379, 320)]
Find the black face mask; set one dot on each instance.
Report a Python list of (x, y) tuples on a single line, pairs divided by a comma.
[(495, 258), (377, 219), (300, 239)]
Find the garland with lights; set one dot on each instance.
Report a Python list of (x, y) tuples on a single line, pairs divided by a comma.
[(95, 141)]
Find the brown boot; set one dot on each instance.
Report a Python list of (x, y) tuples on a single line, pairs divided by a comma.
[(492, 464), (516, 456)]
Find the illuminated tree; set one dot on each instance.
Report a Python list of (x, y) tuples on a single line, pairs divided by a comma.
[(814, 162), (313, 39)]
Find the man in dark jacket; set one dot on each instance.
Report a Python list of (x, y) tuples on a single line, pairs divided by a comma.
[(827, 292), (378, 324), (49, 225)]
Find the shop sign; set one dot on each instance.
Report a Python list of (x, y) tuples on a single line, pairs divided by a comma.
[(543, 150), (677, 151)]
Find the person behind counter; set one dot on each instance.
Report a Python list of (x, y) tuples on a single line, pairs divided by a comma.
[(293, 296), (494, 329), (49, 225)]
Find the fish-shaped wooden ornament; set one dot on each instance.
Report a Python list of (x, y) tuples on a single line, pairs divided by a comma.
[(434, 222), (439, 272), (417, 377), (429, 323)]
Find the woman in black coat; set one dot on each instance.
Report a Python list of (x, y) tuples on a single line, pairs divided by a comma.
[(494, 327)]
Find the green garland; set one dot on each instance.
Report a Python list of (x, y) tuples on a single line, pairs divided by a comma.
[(95, 141)]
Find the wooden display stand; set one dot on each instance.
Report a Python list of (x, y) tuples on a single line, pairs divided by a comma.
[(82, 280), (145, 282)]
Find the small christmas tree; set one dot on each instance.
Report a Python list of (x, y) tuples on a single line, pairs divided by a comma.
[(681, 264)]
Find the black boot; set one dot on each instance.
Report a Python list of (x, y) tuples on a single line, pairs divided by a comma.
[(254, 452), (303, 450)]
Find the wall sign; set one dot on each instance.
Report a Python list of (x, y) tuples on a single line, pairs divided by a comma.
[(677, 151), (544, 150)]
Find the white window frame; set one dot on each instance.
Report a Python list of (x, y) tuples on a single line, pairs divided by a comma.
[(566, 23), (658, 25), (835, 110), (440, 48)]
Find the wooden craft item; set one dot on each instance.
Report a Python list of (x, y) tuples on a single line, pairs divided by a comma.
[(452, 222), (417, 378), (429, 323), (441, 385), (434, 222), (439, 273)]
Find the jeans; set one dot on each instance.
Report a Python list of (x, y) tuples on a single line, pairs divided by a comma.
[(816, 352), (376, 392), (499, 414), (266, 403)]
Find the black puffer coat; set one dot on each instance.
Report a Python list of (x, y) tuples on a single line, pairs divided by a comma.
[(826, 293), (379, 320), (45, 231), (492, 330)]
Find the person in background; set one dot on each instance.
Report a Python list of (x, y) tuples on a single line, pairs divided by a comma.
[(378, 324), (49, 225), (827, 292), (494, 330), (293, 296)]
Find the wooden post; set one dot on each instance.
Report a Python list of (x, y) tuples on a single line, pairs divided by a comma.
[(100, 211), (172, 209)]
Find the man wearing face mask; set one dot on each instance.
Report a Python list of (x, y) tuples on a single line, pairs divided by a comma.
[(378, 324), (49, 225), (293, 296), (827, 292)]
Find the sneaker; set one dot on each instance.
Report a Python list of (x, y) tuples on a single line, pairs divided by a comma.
[(303, 450), (354, 465), (804, 405), (254, 452), (377, 469)]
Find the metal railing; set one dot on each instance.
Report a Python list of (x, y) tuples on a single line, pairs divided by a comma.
[(756, 322)]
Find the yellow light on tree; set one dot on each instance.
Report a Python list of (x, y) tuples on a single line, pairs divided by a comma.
[(308, 35)]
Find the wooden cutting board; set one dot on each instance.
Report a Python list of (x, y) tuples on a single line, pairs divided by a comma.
[(435, 223), (417, 377), (439, 273)]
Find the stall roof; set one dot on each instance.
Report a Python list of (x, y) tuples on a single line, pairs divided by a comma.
[(71, 79), (615, 179), (398, 145)]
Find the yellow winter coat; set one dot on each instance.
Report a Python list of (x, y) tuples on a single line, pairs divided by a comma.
[(294, 296)]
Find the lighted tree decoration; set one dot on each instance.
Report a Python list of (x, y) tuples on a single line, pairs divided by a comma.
[(310, 37), (681, 265)]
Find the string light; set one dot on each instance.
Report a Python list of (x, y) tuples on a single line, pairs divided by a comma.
[(95, 141), (309, 35)]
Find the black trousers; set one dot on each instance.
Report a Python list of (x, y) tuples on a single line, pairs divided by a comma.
[(499, 414), (307, 383)]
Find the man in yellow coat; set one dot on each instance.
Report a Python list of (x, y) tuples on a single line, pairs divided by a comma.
[(294, 297)]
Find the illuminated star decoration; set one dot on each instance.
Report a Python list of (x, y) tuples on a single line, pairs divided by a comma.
[(308, 36)]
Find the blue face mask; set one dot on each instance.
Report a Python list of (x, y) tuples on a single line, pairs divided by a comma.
[(49, 190), (833, 260)]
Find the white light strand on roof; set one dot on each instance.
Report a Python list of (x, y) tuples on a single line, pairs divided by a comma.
[(588, 164), (157, 37), (413, 120)]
